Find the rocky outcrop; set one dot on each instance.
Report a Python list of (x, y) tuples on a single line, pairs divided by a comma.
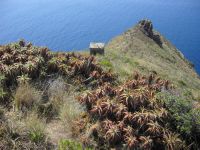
[(146, 27), (144, 49)]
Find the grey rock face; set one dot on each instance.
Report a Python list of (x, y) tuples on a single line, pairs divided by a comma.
[(146, 27)]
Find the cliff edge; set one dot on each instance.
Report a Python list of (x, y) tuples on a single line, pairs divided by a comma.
[(144, 49)]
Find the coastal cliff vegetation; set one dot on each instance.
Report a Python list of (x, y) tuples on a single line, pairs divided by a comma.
[(59, 100)]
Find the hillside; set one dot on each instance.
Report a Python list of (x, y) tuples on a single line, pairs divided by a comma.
[(59, 100), (144, 49)]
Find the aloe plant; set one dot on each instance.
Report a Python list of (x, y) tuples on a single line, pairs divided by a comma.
[(44, 52), (172, 141), (23, 79), (21, 58), (131, 142), (120, 110), (6, 58), (135, 117), (146, 142), (113, 135), (53, 64), (154, 129), (30, 67), (128, 114)]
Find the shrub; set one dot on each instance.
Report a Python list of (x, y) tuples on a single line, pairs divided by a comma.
[(70, 145), (182, 83), (106, 63), (195, 113), (35, 127), (184, 117), (25, 96)]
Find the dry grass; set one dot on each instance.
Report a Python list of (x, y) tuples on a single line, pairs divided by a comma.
[(65, 108), (35, 127), (19, 133), (26, 96), (61, 127), (56, 93), (70, 110)]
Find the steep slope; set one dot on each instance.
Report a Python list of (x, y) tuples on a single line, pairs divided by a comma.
[(58, 100), (144, 49)]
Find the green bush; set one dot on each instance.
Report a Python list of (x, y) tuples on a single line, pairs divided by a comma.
[(184, 117), (182, 83), (71, 145), (106, 63)]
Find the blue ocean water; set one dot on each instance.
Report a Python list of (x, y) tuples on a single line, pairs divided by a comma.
[(73, 24)]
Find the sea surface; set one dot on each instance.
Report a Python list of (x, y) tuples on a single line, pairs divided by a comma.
[(72, 24)]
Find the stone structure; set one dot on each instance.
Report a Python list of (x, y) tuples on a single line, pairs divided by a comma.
[(96, 48)]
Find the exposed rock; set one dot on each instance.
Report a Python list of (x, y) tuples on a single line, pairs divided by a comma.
[(157, 39), (22, 43), (146, 27)]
